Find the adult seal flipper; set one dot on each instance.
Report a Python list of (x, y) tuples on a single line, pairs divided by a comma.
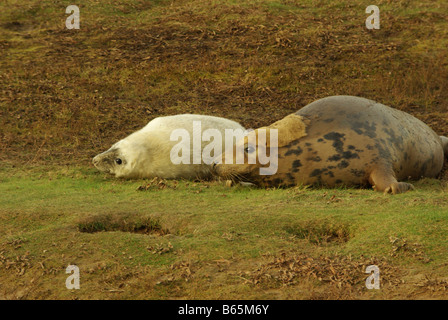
[(382, 178)]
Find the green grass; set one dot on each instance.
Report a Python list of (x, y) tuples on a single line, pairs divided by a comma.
[(45, 211), (253, 61), (66, 95)]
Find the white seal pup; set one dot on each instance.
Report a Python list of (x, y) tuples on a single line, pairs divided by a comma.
[(146, 153)]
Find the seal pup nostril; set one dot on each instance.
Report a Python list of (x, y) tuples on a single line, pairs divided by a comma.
[(95, 161)]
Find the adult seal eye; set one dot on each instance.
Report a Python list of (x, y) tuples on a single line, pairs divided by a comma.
[(118, 161), (249, 149)]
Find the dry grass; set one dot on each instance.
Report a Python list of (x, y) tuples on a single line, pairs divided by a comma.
[(121, 222), (68, 94), (321, 231)]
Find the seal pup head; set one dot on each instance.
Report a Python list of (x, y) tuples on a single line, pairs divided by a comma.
[(120, 160), (289, 129)]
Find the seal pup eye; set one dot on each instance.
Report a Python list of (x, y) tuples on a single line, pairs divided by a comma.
[(118, 161), (249, 149)]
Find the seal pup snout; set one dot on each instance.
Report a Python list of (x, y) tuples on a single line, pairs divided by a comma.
[(95, 161)]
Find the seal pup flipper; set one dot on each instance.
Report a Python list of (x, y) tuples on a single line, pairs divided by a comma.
[(383, 179), (444, 145)]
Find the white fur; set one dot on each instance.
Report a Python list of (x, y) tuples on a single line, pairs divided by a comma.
[(146, 152)]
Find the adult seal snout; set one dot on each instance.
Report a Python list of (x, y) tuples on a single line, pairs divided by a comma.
[(351, 141)]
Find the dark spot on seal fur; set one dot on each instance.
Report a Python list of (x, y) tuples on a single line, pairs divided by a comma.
[(316, 159), (295, 165), (317, 172), (343, 164), (363, 128), (320, 140), (298, 151), (351, 147), (357, 173), (290, 177), (383, 150), (424, 166), (394, 139), (350, 155), (335, 157), (416, 164), (406, 157), (293, 143), (344, 155), (337, 138)]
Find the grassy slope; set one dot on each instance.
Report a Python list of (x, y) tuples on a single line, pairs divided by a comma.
[(252, 61), (220, 238)]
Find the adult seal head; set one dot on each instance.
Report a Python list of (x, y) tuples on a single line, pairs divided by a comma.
[(345, 140)]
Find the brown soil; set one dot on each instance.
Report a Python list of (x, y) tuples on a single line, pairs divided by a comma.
[(65, 94)]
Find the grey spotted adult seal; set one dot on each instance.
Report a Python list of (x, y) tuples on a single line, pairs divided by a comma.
[(346, 140)]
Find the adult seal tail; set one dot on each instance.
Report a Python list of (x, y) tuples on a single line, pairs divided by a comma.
[(346, 140)]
